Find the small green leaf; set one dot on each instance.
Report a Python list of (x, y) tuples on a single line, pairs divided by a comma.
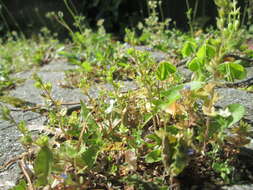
[(69, 150), (84, 111), (153, 156), (37, 85), (206, 51), (5, 113), (232, 70), (21, 186), (155, 138), (180, 158), (237, 112), (87, 66), (144, 37), (188, 48), (121, 64), (42, 141), (195, 65), (173, 94), (210, 51), (22, 127), (164, 70), (42, 165), (89, 156), (48, 86)]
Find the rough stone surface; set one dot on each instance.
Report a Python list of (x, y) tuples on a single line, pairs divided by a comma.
[(231, 96), (9, 135), (238, 187), (156, 55), (11, 148)]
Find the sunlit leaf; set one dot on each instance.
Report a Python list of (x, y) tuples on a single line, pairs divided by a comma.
[(155, 138), (194, 65), (164, 70), (237, 112), (188, 48), (172, 94), (206, 51), (87, 66), (232, 70), (20, 186)]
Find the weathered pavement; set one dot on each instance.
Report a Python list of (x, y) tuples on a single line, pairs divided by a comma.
[(9, 135), (54, 73)]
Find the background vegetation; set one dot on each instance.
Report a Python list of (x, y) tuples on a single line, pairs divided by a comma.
[(30, 15)]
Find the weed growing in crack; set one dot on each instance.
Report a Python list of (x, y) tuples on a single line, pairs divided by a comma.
[(145, 138)]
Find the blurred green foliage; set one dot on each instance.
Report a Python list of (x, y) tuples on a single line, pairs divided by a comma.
[(29, 16)]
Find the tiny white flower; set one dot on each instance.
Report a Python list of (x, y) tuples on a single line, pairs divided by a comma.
[(224, 113), (2, 78), (109, 109)]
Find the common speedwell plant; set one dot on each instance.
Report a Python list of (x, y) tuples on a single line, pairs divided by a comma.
[(147, 137)]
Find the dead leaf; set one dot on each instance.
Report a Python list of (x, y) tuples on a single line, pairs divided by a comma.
[(209, 111), (129, 187), (174, 109), (131, 160)]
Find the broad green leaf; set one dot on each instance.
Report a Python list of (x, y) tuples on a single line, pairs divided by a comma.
[(70, 56), (42, 165), (188, 48), (206, 51), (153, 156), (173, 94), (164, 70), (122, 64), (180, 158), (195, 65), (89, 156), (232, 70), (237, 112), (84, 111), (210, 51)]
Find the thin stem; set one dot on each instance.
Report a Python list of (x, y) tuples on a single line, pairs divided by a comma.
[(22, 166), (69, 9), (195, 10), (13, 19), (161, 10)]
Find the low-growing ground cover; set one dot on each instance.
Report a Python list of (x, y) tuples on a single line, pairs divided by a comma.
[(20, 54), (167, 133)]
